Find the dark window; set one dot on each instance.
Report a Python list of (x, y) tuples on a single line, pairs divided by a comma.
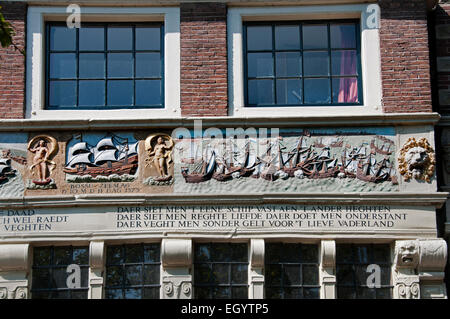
[(221, 271), (133, 271), (49, 277), (105, 66), (291, 271), (308, 63), (351, 271)]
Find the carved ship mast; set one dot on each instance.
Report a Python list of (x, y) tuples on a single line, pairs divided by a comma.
[(203, 171), (298, 158), (323, 166), (5, 169), (109, 156)]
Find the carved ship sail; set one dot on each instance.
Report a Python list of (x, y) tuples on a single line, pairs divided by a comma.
[(371, 171), (109, 156), (202, 172), (6, 169)]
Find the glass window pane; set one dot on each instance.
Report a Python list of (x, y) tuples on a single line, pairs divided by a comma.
[(151, 253), (365, 293), (148, 92), (84, 276), (316, 63), (260, 92), (59, 277), (259, 38), (92, 38), (311, 293), (41, 256), (385, 275), (221, 252), (274, 293), (260, 65), (343, 36), (221, 293), (239, 292), (151, 274), (203, 273), (346, 293), (202, 293), (62, 38), (120, 38), (120, 65), (150, 293), (345, 90), (41, 278), (292, 293), (344, 274), (315, 36), (81, 256), (381, 254), (148, 38), (292, 275), (60, 295), (310, 253), (114, 276), (317, 91), (361, 275), (148, 65), (63, 256), (92, 93), (202, 252), (134, 253), (221, 273), (120, 92), (344, 253), (383, 293), (133, 293), (362, 253), (113, 294), (273, 275), (63, 65), (310, 275), (273, 253), (63, 93), (291, 253), (133, 275), (288, 64), (343, 62), (239, 252), (287, 38), (114, 255), (239, 274), (79, 294), (92, 65)]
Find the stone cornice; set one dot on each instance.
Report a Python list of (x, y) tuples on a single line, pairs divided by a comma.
[(387, 119), (376, 198)]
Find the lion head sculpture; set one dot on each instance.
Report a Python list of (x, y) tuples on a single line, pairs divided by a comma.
[(417, 160)]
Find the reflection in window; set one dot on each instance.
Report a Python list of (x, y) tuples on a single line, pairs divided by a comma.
[(351, 271), (133, 271), (49, 276), (105, 66), (291, 271), (309, 63), (221, 271)]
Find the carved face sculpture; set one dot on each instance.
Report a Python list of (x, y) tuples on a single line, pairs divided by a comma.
[(407, 253), (416, 158)]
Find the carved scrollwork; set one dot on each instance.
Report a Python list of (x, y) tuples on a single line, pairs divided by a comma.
[(408, 290), (186, 288), (177, 288), (3, 293), (21, 293), (168, 288)]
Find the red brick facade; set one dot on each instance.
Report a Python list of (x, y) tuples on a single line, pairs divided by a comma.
[(12, 64), (405, 65), (204, 59)]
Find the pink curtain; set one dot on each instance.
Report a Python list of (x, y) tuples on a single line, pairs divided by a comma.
[(348, 87)]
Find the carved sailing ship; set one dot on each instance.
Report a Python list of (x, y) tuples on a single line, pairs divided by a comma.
[(384, 149), (203, 170), (298, 158), (111, 155), (323, 166), (371, 171), (6, 169)]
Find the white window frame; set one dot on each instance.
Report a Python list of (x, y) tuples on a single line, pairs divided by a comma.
[(35, 83), (370, 57)]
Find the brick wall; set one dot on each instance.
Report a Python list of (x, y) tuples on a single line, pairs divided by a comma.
[(405, 65), (204, 59), (12, 64)]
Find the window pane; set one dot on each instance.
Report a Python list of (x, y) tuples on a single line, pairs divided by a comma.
[(381, 254), (292, 293), (221, 293), (120, 65), (259, 38), (120, 38), (311, 293), (59, 277), (83, 294), (344, 274), (202, 252), (62, 38), (310, 275), (148, 65), (343, 36), (41, 256), (120, 93), (63, 93), (260, 92), (202, 293), (310, 253), (150, 293), (292, 275), (316, 63), (273, 275), (92, 65), (41, 278), (113, 294), (92, 38), (151, 274), (291, 253), (288, 64), (383, 293), (203, 273), (239, 274), (317, 91), (345, 90), (346, 293), (81, 256), (260, 64), (274, 293), (315, 36), (365, 293), (343, 62), (239, 292), (344, 253), (133, 275), (273, 252), (148, 92), (151, 253), (222, 253), (239, 252), (134, 253), (362, 253), (287, 38), (63, 256), (114, 276), (114, 255), (133, 293), (92, 93), (63, 65), (220, 273), (147, 38)]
